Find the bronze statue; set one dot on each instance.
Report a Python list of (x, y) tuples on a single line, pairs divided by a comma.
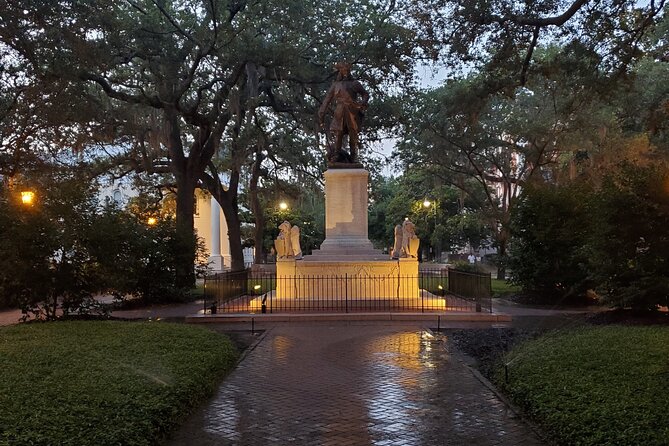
[(348, 114)]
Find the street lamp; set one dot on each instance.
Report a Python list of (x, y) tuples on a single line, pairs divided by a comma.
[(283, 206), (27, 197), (426, 204)]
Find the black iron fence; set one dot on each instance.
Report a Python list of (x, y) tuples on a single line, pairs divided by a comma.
[(262, 292), (469, 284)]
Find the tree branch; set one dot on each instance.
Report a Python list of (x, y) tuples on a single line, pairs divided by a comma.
[(528, 57), (151, 101), (537, 21), (174, 23)]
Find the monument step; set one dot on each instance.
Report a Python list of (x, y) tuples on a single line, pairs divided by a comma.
[(347, 258), (348, 254), (348, 251)]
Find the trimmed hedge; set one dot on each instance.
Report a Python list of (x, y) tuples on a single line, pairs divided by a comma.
[(104, 383), (595, 386)]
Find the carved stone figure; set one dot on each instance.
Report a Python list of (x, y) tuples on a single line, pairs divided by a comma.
[(281, 243), (410, 241), (397, 246), (287, 244), (295, 242), (348, 114)]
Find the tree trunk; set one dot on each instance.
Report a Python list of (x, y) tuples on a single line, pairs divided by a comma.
[(502, 241), (258, 214), (501, 259), (231, 212), (186, 180), (185, 243)]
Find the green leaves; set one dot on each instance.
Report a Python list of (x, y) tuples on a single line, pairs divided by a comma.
[(59, 252), (93, 383), (613, 237), (594, 386), (550, 228)]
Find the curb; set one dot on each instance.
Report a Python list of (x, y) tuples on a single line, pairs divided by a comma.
[(292, 317)]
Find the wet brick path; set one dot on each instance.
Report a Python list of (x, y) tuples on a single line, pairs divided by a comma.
[(353, 385)]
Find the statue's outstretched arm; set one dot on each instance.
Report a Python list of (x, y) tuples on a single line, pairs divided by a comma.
[(325, 104)]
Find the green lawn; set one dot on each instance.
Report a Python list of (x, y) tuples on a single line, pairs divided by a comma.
[(434, 284), (595, 386), (104, 383), (501, 287)]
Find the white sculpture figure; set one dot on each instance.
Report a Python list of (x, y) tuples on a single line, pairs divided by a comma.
[(295, 242), (410, 241), (281, 243), (397, 246), (287, 244)]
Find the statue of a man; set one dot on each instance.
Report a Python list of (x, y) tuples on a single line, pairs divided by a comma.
[(350, 102)]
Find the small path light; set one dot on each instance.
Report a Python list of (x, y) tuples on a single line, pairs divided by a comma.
[(283, 206), (427, 203), (151, 221)]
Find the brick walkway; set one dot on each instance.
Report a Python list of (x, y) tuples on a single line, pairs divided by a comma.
[(353, 385)]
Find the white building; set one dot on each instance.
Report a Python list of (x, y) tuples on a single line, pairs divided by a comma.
[(211, 226), (208, 219)]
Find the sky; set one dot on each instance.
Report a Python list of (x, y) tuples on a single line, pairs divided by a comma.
[(428, 77)]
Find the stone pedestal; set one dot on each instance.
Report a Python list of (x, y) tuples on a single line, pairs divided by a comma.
[(346, 209)]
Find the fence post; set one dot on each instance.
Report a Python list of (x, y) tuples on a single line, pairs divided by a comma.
[(204, 291), (346, 290), (422, 301)]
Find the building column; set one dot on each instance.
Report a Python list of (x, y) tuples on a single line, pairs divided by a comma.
[(215, 259)]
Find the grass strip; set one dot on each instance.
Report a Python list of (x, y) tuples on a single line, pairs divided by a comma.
[(501, 288)]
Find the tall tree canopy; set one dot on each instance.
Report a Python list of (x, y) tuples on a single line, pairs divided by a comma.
[(179, 82)]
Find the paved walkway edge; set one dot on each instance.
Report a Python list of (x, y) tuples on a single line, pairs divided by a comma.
[(466, 361), (444, 317)]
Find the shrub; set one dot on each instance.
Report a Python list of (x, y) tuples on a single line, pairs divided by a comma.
[(104, 383), (45, 264), (462, 265), (55, 255), (630, 240), (594, 386), (549, 230)]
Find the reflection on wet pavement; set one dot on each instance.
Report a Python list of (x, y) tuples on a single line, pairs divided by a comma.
[(353, 385)]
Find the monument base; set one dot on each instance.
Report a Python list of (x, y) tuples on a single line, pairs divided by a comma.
[(354, 279)]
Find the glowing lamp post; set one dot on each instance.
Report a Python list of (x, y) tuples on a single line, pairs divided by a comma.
[(426, 204), (27, 197)]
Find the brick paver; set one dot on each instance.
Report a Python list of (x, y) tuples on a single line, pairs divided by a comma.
[(353, 385)]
